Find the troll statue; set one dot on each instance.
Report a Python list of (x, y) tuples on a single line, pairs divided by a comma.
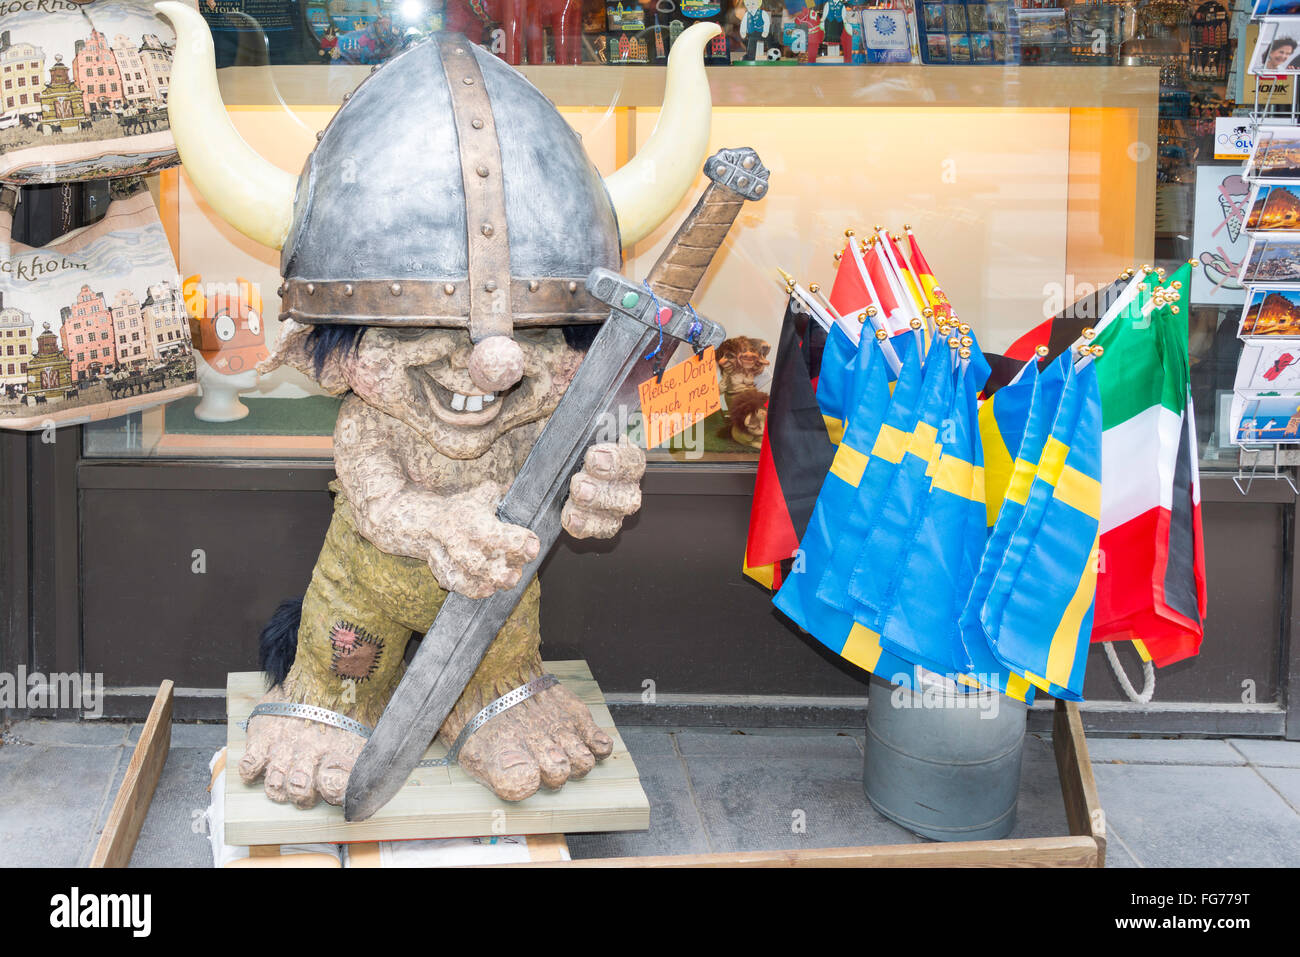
[(434, 252)]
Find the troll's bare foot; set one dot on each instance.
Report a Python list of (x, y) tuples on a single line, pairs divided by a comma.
[(542, 742), (303, 761)]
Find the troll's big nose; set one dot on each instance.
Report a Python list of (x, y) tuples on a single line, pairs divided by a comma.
[(496, 364)]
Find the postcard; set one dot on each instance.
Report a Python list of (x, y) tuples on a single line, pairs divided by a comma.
[(1271, 312), (1272, 261), (1276, 47), (1276, 156)]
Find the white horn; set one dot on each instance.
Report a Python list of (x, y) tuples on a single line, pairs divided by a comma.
[(653, 182), (253, 195)]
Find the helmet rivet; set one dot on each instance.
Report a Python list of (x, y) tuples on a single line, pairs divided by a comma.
[(320, 135), (482, 171), (395, 289), (742, 181), (487, 229), (573, 286), (468, 81), (490, 285), (748, 162), (347, 289), (311, 289), (476, 123), (449, 289), (534, 285), (346, 97)]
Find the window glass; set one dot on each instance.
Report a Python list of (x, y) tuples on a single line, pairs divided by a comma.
[(1035, 148)]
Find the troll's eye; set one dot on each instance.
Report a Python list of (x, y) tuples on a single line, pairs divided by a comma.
[(254, 322), (224, 327)]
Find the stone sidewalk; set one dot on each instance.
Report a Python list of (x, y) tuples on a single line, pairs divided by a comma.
[(1192, 802)]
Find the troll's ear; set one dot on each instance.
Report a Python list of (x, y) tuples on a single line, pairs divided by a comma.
[(294, 348)]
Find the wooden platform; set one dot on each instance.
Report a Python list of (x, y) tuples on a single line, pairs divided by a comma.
[(441, 802)]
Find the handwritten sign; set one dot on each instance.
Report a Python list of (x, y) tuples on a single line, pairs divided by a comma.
[(687, 394)]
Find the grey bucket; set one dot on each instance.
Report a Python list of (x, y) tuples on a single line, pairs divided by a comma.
[(944, 771)]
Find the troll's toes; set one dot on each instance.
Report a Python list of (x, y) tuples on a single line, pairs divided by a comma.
[(498, 756), (575, 716)]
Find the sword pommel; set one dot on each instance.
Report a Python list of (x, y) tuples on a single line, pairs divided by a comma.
[(627, 298), (740, 170)]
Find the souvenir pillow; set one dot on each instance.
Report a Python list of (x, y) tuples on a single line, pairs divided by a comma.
[(83, 90), (92, 325)]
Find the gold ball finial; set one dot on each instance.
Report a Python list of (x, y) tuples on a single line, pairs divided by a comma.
[(1193, 262), (954, 342), (927, 312), (862, 317), (1041, 352), (877, 227), (1089, 332), (850, 233), (916, 323), (967, 341), (882, 335), (1085, 350), (872, 310), (1174, 310), (1177, 284), (837, 256), (1097, 351), (963, 328), (964, 353), (813, 287), (1146, 268), (907, 228)]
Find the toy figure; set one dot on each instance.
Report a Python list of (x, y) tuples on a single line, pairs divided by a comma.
[(833, 21), (329, 43), (755, 26), (741, 360), (229, 340), (857, 41), (451, 319), (523, 22), (807, 20), (746, 419)]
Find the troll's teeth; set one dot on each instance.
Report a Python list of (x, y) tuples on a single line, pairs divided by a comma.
[(458, 402), (474, 403), (490, 397)]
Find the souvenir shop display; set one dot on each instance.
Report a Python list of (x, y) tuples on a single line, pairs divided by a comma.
[(968, 32), (85, 91), (901, 555), (229, 340), (92, 325), (1210, 49)]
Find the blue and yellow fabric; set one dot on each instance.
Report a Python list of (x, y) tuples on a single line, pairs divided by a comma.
[(864, 466), (835, 383), (797, 597), (1038, 613)]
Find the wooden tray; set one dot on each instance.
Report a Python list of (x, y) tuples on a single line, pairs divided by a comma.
[(441, 802)]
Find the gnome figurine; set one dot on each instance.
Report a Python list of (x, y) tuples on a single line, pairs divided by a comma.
[(441, 294)]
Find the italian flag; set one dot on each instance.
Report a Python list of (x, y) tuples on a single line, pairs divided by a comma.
[(1151, 579)]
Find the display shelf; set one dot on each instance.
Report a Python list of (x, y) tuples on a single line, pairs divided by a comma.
[(776, 86)]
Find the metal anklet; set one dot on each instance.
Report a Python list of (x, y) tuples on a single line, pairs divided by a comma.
[(311, 712)]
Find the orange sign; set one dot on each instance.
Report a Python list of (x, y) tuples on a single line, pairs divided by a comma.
[(687, 394)]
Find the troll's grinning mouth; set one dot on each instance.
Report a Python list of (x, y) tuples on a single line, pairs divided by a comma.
[(457, 408)]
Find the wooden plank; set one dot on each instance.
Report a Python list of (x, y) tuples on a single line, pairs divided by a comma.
[(442, 802), (1078, 787), (1026, 852), (136, 793)]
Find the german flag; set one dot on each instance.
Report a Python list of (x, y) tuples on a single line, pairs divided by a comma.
[(795, 455), (1058, 334)]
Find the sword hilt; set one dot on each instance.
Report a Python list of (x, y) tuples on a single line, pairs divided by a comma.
[(627, 298), (738, 175)]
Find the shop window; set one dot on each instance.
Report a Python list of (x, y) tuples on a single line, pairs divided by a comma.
[(1028, 182)]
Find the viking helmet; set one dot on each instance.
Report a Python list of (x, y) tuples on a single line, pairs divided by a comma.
[(446, 191)]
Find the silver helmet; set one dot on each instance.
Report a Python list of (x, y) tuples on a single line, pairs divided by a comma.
[(446, 191)]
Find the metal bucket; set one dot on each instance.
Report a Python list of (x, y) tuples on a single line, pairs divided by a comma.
[(944, 765)]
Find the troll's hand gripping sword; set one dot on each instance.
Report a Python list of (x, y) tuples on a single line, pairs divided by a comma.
[(465, 627)]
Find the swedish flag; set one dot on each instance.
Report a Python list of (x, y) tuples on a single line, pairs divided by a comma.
[(797, 597), (875, 565), (922, 604), (1038, 612), (863, 466), (835, 383)]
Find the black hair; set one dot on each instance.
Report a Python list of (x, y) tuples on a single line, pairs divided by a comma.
[(325, 340), (581, 337), (278, 643)]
